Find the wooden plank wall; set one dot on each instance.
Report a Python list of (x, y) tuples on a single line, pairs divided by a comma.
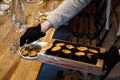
[(99, 16), (114, 20)]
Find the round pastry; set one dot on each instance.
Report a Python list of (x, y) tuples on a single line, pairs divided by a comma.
[(65, 51), (82, 48), (56, 48), (24, 52), (59, 44), (89, 55), (36, 48), (32, 53), (80, 54), (90, 59), (29, 48), (68, 46), (93, 50), (53, 50)]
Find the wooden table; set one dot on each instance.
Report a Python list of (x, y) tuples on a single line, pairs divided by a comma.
[(12, 66)]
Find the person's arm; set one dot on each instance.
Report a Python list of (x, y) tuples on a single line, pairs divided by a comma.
[(63, 13), (59, 16)]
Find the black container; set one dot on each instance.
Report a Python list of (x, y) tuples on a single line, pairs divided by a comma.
[(82, 48), (53, 52), (79, 57), (93, 50), (65, 53), (72, 47), (59, 43), (90, 59)]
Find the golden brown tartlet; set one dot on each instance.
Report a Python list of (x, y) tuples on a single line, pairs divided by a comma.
[(24, 52), (36, 48), (59, 44), (80, 54), (32, 53), (82, 48), (89, 55), (70, 46), (65, 51), (29, 48), (93, 50), (56, 48)]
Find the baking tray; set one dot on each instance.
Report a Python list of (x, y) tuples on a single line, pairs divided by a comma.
[(70, 62)]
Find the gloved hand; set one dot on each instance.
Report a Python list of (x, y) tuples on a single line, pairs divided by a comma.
[(111, 58), (31, 34)]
